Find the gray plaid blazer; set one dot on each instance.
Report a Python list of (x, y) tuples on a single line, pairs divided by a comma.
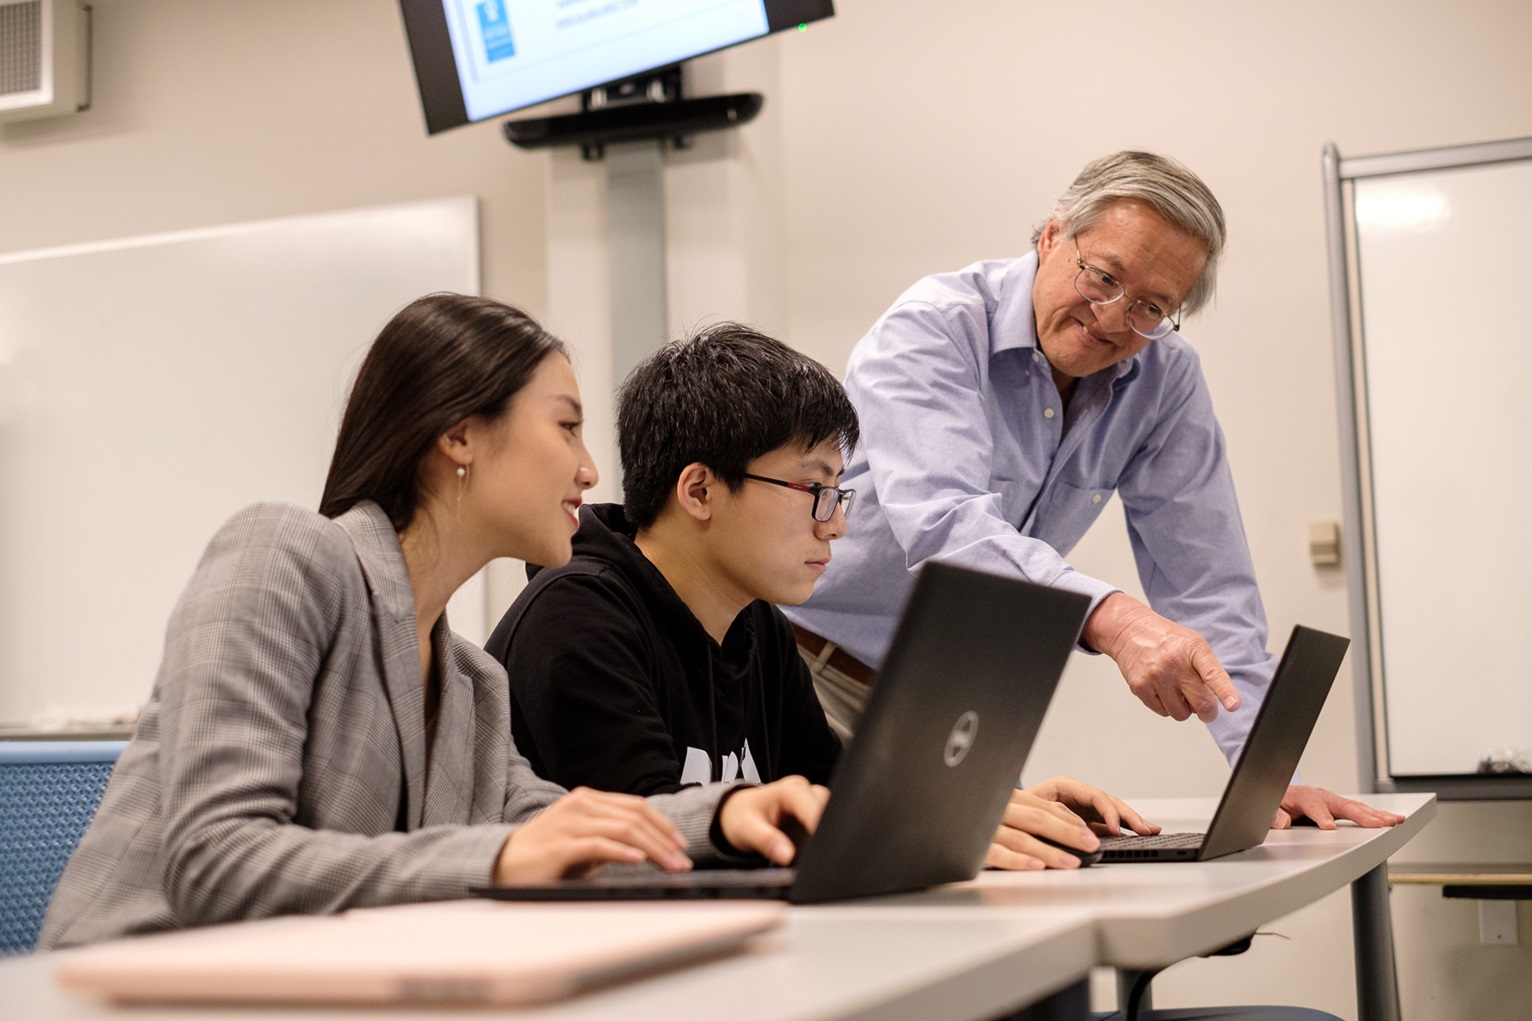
[(279, 766)]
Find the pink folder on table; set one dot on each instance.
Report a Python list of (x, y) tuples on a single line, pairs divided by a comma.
[(474, 952)]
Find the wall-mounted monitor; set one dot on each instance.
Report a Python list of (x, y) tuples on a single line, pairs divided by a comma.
[(477, 59)]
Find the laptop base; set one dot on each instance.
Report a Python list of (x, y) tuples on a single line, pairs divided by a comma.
[(1265, 767), (946, 731), (703, 884)]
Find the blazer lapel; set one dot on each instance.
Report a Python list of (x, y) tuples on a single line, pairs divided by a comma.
[(450, 783), (393, 607)]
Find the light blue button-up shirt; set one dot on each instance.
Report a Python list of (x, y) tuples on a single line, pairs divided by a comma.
[(969, 455)]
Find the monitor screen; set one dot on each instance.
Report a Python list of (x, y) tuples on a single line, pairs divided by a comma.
[(476, 59)]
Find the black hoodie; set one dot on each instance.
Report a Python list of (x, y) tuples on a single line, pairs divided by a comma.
[(616, 685)]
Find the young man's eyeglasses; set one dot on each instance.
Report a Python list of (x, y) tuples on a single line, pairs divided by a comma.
[(1101, 288), (826, 498)]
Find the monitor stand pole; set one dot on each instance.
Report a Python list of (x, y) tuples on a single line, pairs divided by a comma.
[(627, 124), (635, 226)]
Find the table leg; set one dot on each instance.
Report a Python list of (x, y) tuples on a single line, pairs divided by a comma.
[(1377, 984)]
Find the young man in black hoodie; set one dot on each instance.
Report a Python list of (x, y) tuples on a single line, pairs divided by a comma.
[(656, 657)]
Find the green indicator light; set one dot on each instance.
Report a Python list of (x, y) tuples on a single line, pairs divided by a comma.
[(803, 26)]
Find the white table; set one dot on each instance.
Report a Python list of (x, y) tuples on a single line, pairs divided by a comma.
[(837, 961), (972, 950), (1151, 915)]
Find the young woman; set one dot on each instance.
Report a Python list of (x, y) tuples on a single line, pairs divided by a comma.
[(317, 738)]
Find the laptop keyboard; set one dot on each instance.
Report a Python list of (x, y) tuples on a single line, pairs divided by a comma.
[(1156, 842), (752, 878)]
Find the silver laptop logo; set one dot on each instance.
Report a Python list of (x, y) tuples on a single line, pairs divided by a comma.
[(960, 740)]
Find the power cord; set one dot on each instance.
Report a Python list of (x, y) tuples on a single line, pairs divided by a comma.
[(1136, 994), (1141, 983)]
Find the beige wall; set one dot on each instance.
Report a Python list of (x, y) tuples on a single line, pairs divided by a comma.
[(917, 143), (220, 111), (895, 142), (212, 112)]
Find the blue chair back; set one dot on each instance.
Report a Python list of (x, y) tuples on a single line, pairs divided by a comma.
[(48, 792)]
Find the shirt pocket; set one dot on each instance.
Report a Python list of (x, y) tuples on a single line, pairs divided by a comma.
[(1067, 512)]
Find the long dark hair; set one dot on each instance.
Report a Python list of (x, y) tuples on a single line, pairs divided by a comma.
[(443, 358)]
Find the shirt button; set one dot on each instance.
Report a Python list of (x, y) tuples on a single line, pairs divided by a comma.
[(1036, 357), (1095, 498), (1047, 412)]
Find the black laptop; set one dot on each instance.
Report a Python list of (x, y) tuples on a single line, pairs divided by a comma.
[(1281, 730), (921, 789)]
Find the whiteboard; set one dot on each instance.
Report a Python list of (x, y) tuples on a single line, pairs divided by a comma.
[(149, 389), (1443, 370)]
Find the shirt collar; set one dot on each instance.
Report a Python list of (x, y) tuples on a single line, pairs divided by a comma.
[(1012, 327)]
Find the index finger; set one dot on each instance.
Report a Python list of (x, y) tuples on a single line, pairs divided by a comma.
[(1135, 822), (758, 812), (1107, 811), (806, 804), (1215, 677), (756, 833)]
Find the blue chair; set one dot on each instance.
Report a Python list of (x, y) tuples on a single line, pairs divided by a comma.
[(49, 791)]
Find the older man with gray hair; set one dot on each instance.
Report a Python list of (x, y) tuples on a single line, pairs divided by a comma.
[(1001, 408)]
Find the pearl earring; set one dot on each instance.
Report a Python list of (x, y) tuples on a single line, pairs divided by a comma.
[(462, 472)]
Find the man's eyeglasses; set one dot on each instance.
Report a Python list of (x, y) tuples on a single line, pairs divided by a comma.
[(826, 498), (1101, 288)]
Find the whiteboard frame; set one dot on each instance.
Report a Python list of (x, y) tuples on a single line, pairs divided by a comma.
[(1356, 478)]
